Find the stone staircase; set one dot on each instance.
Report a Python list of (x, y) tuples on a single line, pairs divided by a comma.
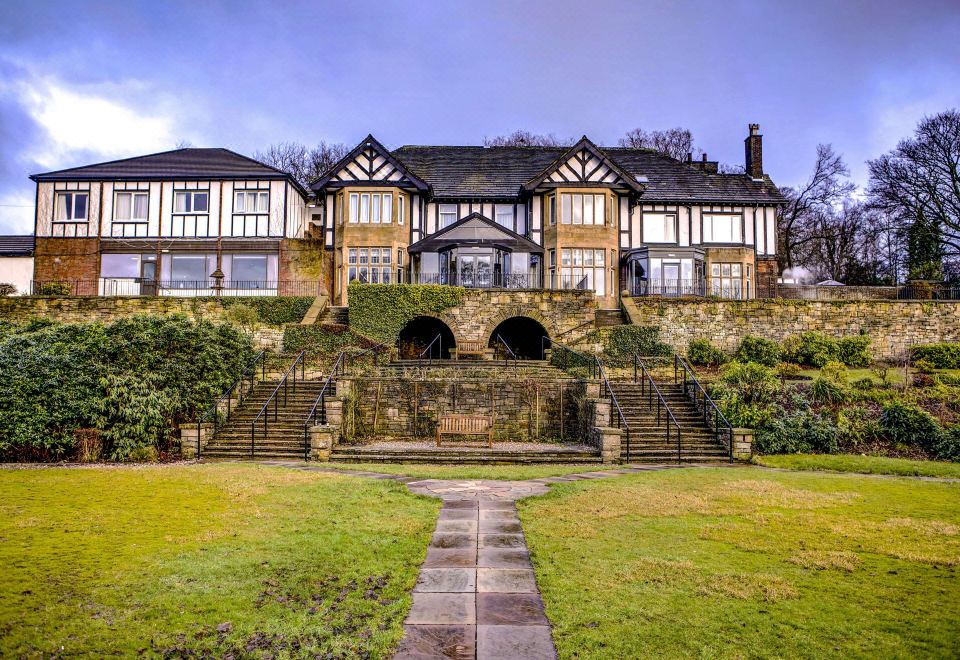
[(284, 437), (648, 441), (467, 369), (336, 316), (606, 318)]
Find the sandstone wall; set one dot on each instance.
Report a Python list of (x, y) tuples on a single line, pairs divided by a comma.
[(894, 326)]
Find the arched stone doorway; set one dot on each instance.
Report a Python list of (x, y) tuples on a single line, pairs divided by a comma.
[(418, 334), (523, 335)]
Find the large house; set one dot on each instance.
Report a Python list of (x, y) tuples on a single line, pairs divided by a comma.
[(200, 221)]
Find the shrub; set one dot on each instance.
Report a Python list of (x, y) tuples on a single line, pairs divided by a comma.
[(131, 415), (948, 379), (816, 349), (753, 383), (243, 316), (906, 424), (380, 311), (787, 370), (625, 340), (759, 350), (826, 392), (863, 384), (924, 366), (7, 290), (854, 351), (53, 289), (800, 431), (702, 353), (321, 339), (272, 310), (945, 355), (948, 448), (857, 425)]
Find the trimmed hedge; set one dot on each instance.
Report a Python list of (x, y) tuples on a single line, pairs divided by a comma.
[(380, 311), (272, 310), (321, 339), (945, 355)]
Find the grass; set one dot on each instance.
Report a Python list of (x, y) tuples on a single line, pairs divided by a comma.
[(213, 560), (500, 472), (862, 464), (894, 375), (739, 563)]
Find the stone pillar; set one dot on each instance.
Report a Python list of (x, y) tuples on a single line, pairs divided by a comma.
[(188, 439), (593, 389), (742, 444), (608, 440), (601, 412), (334, 412), (321, 442)]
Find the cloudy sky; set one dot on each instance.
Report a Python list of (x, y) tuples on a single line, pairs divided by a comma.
[(82, 82)]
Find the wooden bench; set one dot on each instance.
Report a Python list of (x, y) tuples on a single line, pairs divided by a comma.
[(465, 425), (470, 348)]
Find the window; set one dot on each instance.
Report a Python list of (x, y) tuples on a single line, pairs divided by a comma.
[(120, 265), (659, 228), (371, 265), (191, 202), (248, 270), (725, 280), (552, 209), (504, 216), (401, 206), (367, 208), (580, 209), (582, 268), (189, 271), (71, 206), (721, 229), (131, 207), (251, 201), (448, 215)]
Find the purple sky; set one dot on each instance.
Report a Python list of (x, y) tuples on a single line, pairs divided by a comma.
[(84, 82)]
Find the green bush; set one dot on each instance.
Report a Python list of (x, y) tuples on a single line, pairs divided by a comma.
[(702, 353), (948, 448), (800, 431), (945, 355), (7, 289), (815, 349), (272, 310), (131, 415), (53, 289), (380, 311), (857, 425), (625, 340), (948, 379), (753, 383), (924, 366), (321, 339), (759, 350), (907, 424)]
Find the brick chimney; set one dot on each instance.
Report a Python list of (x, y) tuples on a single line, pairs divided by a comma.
[(753, 147)]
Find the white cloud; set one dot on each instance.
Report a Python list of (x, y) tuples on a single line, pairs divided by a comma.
[(16, 213)]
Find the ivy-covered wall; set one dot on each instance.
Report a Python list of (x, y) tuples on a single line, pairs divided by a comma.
[(893, 326), (380, 311)]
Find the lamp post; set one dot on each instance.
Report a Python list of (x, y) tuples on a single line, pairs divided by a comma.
[(217, 276)]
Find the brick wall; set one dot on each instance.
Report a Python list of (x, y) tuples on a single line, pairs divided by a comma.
[(894, 326), (67, 259)]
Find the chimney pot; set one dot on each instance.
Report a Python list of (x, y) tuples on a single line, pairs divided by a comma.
[(704, 157)]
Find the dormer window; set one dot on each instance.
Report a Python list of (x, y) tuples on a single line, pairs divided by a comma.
[(72, 206)]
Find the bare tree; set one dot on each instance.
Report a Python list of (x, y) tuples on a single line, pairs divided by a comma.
[(304, 164), (920, 179), (674, 142), (184, 144), (826, 188), (522, 138)]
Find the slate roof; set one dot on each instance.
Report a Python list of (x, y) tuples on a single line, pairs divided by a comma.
[(500, 172), (16, 246), (189, 163)]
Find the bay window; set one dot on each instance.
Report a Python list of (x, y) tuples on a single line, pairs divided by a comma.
[(659, 228), (370, 265), (724, 228), (582, 209), (726, 280), (371, 208), (583, 268), (71, 206)]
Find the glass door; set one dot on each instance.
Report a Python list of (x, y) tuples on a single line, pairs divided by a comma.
[(671, 280), (475, 270)]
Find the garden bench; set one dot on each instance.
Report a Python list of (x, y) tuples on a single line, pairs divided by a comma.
[(465, 425), (470, 348)]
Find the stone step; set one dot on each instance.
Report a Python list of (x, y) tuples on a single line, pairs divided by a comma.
[(605, 318)]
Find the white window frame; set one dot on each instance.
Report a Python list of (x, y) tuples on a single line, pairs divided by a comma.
[(507, 210), (133, 205), (190, 195), (71, 216), (259, 195), (573, 209), (445, 209), (371, 208), (709, 234), (669, 227), (577, 263)]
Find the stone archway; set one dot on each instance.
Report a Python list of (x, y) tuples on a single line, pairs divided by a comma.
[(523, 334), (418, 333)]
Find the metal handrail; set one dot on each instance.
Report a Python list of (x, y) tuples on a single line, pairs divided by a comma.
[(339, 368), (588, 359), (438, 338), (645, 380), (273, 398), (706, 405), (248, 370), (509, 354), (621, 419)]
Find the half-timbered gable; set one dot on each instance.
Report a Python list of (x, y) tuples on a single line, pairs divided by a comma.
[(369, 164), (584, 165)]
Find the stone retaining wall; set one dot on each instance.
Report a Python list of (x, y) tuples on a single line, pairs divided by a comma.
[(894, 326)]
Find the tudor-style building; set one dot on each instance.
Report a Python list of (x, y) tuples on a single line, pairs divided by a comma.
[(606, 219), (202, 221)]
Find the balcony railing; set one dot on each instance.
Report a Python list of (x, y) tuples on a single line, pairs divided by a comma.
[(480, 280), (134, 286), (826, 292), (669, 288)]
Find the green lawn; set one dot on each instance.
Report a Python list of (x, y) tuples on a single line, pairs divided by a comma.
[(863, 464), (502, 472), (748, 563), (213, 560)]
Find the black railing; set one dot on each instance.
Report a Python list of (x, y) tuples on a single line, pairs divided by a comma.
[(654, 397), (480, 280), (428, 351), (138, 286), (318, 413), (939, 292), (508, 353), (668, 288), (712, 416), (619, 419), (566, 358), (274, 398), (249, 373)]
